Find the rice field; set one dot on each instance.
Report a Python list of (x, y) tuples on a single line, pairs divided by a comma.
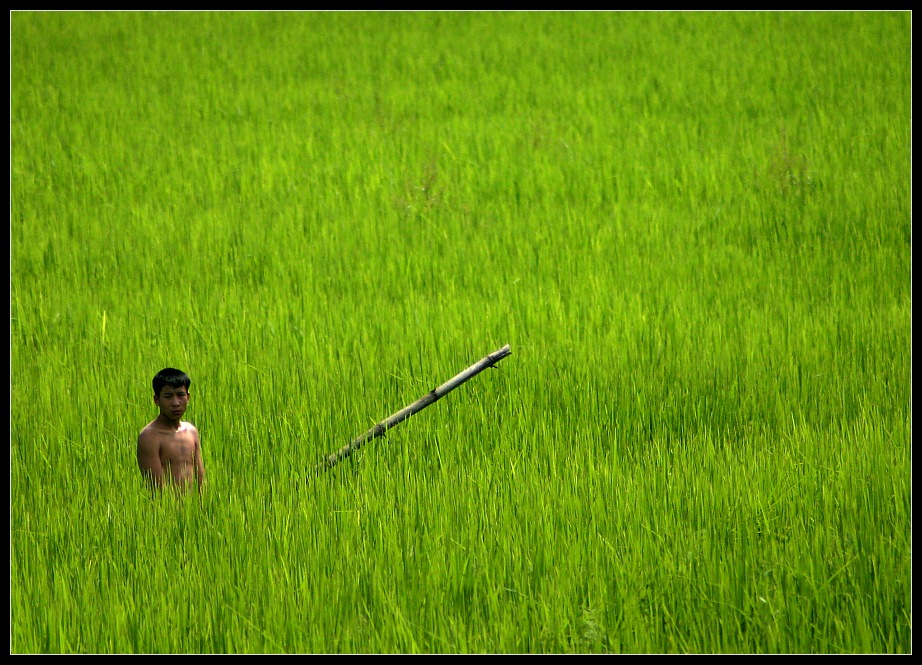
[(693, 229)]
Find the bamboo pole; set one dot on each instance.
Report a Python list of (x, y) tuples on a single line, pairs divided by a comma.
[(417, 406)]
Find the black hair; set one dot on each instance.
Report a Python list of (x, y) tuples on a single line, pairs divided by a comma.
[(171, 377)]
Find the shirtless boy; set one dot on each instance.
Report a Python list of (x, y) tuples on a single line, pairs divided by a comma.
[(169, 450)]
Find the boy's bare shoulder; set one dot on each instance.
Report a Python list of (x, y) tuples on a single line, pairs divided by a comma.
[(153, 429), (149, 429), (149, 438)]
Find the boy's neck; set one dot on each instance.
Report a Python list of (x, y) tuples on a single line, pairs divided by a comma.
[(168, 422)]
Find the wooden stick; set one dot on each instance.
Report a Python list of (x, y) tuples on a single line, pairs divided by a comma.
[(415, 407)]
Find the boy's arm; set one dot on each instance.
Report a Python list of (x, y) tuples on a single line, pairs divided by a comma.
[(199, 464), (149, 459)]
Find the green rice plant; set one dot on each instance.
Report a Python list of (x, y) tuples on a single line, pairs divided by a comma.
[(693, 229)]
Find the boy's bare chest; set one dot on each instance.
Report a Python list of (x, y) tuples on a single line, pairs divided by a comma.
[(177, 445)]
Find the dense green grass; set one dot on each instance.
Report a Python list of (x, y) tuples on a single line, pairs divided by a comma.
[(694, 229)]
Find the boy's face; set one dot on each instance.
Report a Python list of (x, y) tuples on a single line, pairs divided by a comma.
[(172, 401)]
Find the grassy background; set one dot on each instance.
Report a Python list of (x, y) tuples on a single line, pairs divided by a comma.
[(694, 229)]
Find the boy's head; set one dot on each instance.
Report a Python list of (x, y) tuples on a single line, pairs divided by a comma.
[(175, 378), (171, 393)]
